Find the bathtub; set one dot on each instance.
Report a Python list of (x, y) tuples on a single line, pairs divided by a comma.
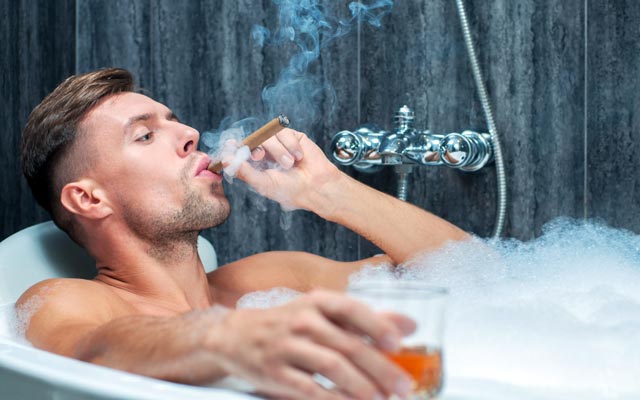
[(29, 373), (40, 252), (471, 373)]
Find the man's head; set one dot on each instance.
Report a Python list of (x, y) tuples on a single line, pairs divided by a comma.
[(94, 149)]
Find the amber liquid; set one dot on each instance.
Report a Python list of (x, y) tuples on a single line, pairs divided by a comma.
[(424, 365)]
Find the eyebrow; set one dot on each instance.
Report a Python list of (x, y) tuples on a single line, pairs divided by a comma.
[(135, 119), (170, 115)]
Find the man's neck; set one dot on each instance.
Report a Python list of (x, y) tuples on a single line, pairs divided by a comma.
[(161, 276)]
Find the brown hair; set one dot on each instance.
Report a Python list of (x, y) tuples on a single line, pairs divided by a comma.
[(52, 130)]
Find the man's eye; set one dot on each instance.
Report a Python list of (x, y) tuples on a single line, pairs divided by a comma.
[(145, 138)]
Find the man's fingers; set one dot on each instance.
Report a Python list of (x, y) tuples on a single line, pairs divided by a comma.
[(308, 356), (291, 141), (278, 153), (284, 148), (385, 376), (258, 153), (406, 325), (360, 318), (294, 384)]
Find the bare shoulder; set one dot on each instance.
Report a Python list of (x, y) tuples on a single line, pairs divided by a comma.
[(293, 269), (82, 293), (57, 308)]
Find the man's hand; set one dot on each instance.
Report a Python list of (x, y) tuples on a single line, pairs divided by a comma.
[(305, 170), (280, 349)]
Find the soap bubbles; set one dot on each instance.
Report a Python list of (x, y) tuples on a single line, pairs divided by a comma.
[(559, 313), (554, 318)]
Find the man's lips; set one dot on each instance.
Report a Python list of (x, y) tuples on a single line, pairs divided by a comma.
[(202, 170), (202, 164)]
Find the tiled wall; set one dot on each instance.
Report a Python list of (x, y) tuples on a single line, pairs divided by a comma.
[(563, 80)]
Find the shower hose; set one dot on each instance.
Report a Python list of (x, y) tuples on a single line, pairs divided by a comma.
[(486, 107)]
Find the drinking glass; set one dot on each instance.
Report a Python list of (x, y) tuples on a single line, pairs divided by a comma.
[(421, 352)]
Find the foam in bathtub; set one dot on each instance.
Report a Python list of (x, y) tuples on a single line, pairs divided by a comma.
[(561, 313)]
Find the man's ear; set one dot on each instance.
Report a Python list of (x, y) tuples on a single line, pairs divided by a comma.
[(86, 198)]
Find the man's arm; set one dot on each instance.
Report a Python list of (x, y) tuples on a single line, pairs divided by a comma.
[(400, 229), (313, 183), (295, 270), (277, 350)]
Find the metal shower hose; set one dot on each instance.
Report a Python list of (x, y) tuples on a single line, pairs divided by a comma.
[(486, 107)]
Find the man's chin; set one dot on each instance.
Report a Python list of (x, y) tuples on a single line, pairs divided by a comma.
[(217, 215)]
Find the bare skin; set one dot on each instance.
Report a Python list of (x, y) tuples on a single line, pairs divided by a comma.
[(149, 309)]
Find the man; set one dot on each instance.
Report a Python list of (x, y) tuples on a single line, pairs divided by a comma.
[(123, 177)]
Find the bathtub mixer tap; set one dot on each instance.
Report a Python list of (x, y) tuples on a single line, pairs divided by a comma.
[(370, 148)]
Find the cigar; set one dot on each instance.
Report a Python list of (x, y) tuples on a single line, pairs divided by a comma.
[(258, 137)]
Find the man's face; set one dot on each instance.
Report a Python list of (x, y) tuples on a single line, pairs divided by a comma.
[(148, 163)]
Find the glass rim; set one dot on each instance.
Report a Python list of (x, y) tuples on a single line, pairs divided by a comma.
[(396, 287)]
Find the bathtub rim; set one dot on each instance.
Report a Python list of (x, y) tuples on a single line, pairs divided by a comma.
[(97, 381), (70, 376)]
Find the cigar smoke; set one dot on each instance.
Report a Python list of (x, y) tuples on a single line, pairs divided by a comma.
[(308, 26), (303, 28)]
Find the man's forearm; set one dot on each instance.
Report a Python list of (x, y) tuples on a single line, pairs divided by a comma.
[(315, 184), (180, 349), (400, 229)]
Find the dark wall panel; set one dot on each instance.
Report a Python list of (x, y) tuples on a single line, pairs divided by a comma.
[(531, 54), (115, 34), (37, 53), (198, 57), (614, 113)]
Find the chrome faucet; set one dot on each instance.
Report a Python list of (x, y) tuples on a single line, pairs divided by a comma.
[(369, 148)]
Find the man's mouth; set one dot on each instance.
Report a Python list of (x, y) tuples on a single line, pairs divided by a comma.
[(201, 169)]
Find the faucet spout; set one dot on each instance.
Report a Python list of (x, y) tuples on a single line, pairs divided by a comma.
[(425, 149), (392, 147)]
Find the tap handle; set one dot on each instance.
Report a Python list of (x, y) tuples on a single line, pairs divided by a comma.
[(468, 150), (347, 148), (358, 148), (455, 150)]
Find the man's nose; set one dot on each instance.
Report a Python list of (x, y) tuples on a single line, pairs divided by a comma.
[(188, 141)]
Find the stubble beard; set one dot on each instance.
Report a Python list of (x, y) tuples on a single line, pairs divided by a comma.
[(174, 232), (196, 215)]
